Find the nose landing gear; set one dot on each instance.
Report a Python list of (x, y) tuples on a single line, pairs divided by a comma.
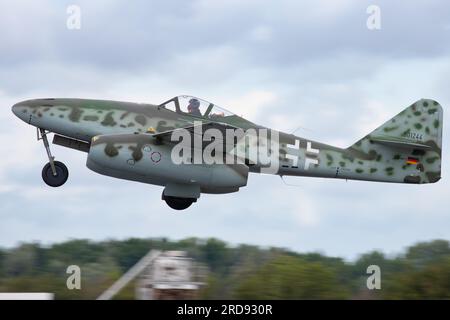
[(54, 173)]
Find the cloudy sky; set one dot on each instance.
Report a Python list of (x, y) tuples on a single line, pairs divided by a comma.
[(309, 66)]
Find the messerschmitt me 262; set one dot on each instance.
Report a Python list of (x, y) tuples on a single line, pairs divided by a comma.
[(140, 142)]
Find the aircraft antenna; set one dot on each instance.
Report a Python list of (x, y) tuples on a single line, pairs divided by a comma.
[(303, 128), (289, 184)]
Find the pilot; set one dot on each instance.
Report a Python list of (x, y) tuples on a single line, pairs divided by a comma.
[(194, 107)]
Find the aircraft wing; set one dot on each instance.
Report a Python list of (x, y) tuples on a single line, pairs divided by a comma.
[(203, 129)]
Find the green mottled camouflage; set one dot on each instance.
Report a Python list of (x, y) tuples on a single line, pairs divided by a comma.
[(380, 156)]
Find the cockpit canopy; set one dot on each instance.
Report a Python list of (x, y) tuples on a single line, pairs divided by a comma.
[(196, 107)]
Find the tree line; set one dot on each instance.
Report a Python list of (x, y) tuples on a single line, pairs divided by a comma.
[(422, 271)]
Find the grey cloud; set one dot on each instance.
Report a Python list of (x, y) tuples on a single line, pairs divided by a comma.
[(202, 42), (324, 68), (145, 34)]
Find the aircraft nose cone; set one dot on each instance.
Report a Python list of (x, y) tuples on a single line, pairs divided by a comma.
[(20, 110), (15, 109)]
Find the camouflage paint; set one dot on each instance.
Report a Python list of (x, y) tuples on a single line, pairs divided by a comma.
[(367, 159)]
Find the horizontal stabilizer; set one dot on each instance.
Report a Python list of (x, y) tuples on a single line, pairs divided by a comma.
[(401, 144)]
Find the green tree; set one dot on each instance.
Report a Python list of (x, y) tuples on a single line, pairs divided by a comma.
[(289, 277), (430, 282), (424, 253), (23, 260), (216, 254)]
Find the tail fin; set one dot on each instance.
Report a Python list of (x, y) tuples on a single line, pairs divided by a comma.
[(410, 144)]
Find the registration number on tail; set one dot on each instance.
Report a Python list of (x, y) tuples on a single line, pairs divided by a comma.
[(413, 135)]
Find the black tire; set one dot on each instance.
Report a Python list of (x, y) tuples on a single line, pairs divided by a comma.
[(62, 174), (178, 203)]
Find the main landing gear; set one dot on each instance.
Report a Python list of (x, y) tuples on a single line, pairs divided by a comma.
[(178, 203), (54, 173)]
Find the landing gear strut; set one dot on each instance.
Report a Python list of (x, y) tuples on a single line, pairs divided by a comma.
[(54, 173), (177, 203)]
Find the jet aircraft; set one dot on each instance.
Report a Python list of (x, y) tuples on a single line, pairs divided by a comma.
[(142, 142)]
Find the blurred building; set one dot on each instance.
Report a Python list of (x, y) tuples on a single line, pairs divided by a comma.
[(162, 276), (172, 275)]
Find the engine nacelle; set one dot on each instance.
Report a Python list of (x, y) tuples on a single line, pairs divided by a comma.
[(141, 157)]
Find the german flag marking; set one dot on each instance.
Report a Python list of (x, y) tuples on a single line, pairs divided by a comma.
[(412, 160)]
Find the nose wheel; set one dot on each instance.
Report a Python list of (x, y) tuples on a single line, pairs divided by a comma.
[(54, 173), (62, 174)]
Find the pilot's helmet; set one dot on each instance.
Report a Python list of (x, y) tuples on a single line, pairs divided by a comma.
[(194, 103)]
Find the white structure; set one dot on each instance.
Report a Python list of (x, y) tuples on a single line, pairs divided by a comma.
[(171, 276), (26, 296), (161, 275)]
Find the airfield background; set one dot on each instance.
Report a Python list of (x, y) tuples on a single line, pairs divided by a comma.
[(422, 271)]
